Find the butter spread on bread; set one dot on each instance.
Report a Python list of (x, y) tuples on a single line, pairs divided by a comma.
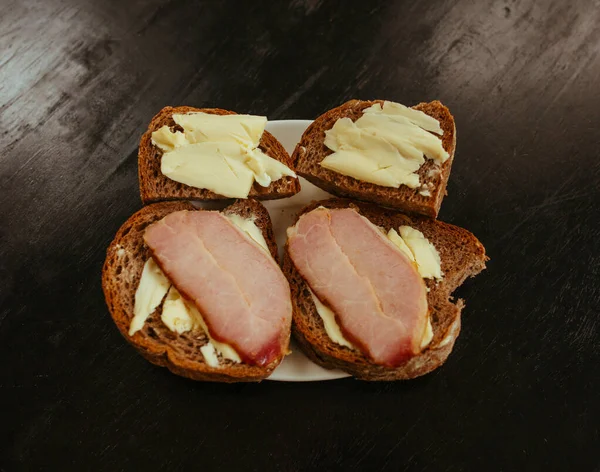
[(414, 244), (151, 290), (210, 355), (218, 152), (179, 315), (427, 262), (248, 226), (386, 146), (175, 314), (331, 327)]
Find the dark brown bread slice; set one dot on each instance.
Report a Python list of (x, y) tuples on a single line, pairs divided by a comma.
[(462, 256), (311, 150), (154, 186), (180, 353)]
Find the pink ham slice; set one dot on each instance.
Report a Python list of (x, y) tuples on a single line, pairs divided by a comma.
[(376, 293), (238, 288)]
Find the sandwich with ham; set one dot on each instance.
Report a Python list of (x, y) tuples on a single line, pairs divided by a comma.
[(200, 292), (372, 288)]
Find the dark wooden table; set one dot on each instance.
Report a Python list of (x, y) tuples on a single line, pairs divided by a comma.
[(79, 81)]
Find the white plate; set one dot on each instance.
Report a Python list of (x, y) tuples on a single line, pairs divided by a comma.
[(296, 367)]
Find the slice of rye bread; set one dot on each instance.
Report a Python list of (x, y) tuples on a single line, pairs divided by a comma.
[(155, 186), (180, 353), (462, 256), (311, 150)]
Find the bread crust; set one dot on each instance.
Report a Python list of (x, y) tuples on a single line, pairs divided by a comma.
[(311, 150), (125, 259), (155, 186), (462, 256)]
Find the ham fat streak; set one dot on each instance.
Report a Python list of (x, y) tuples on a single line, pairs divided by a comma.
[(378, 297), (238, 288)]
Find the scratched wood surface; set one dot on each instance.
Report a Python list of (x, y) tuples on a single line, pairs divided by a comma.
[(79, 81)]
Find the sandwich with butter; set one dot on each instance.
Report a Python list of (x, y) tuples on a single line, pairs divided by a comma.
[(381, 152), (200, 292), (371, 288), (210, 154)]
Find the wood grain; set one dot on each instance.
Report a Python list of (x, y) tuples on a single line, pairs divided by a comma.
[(79, 81)]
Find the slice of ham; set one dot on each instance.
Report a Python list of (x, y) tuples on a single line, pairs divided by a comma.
[(376, 293), (243, 296)]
